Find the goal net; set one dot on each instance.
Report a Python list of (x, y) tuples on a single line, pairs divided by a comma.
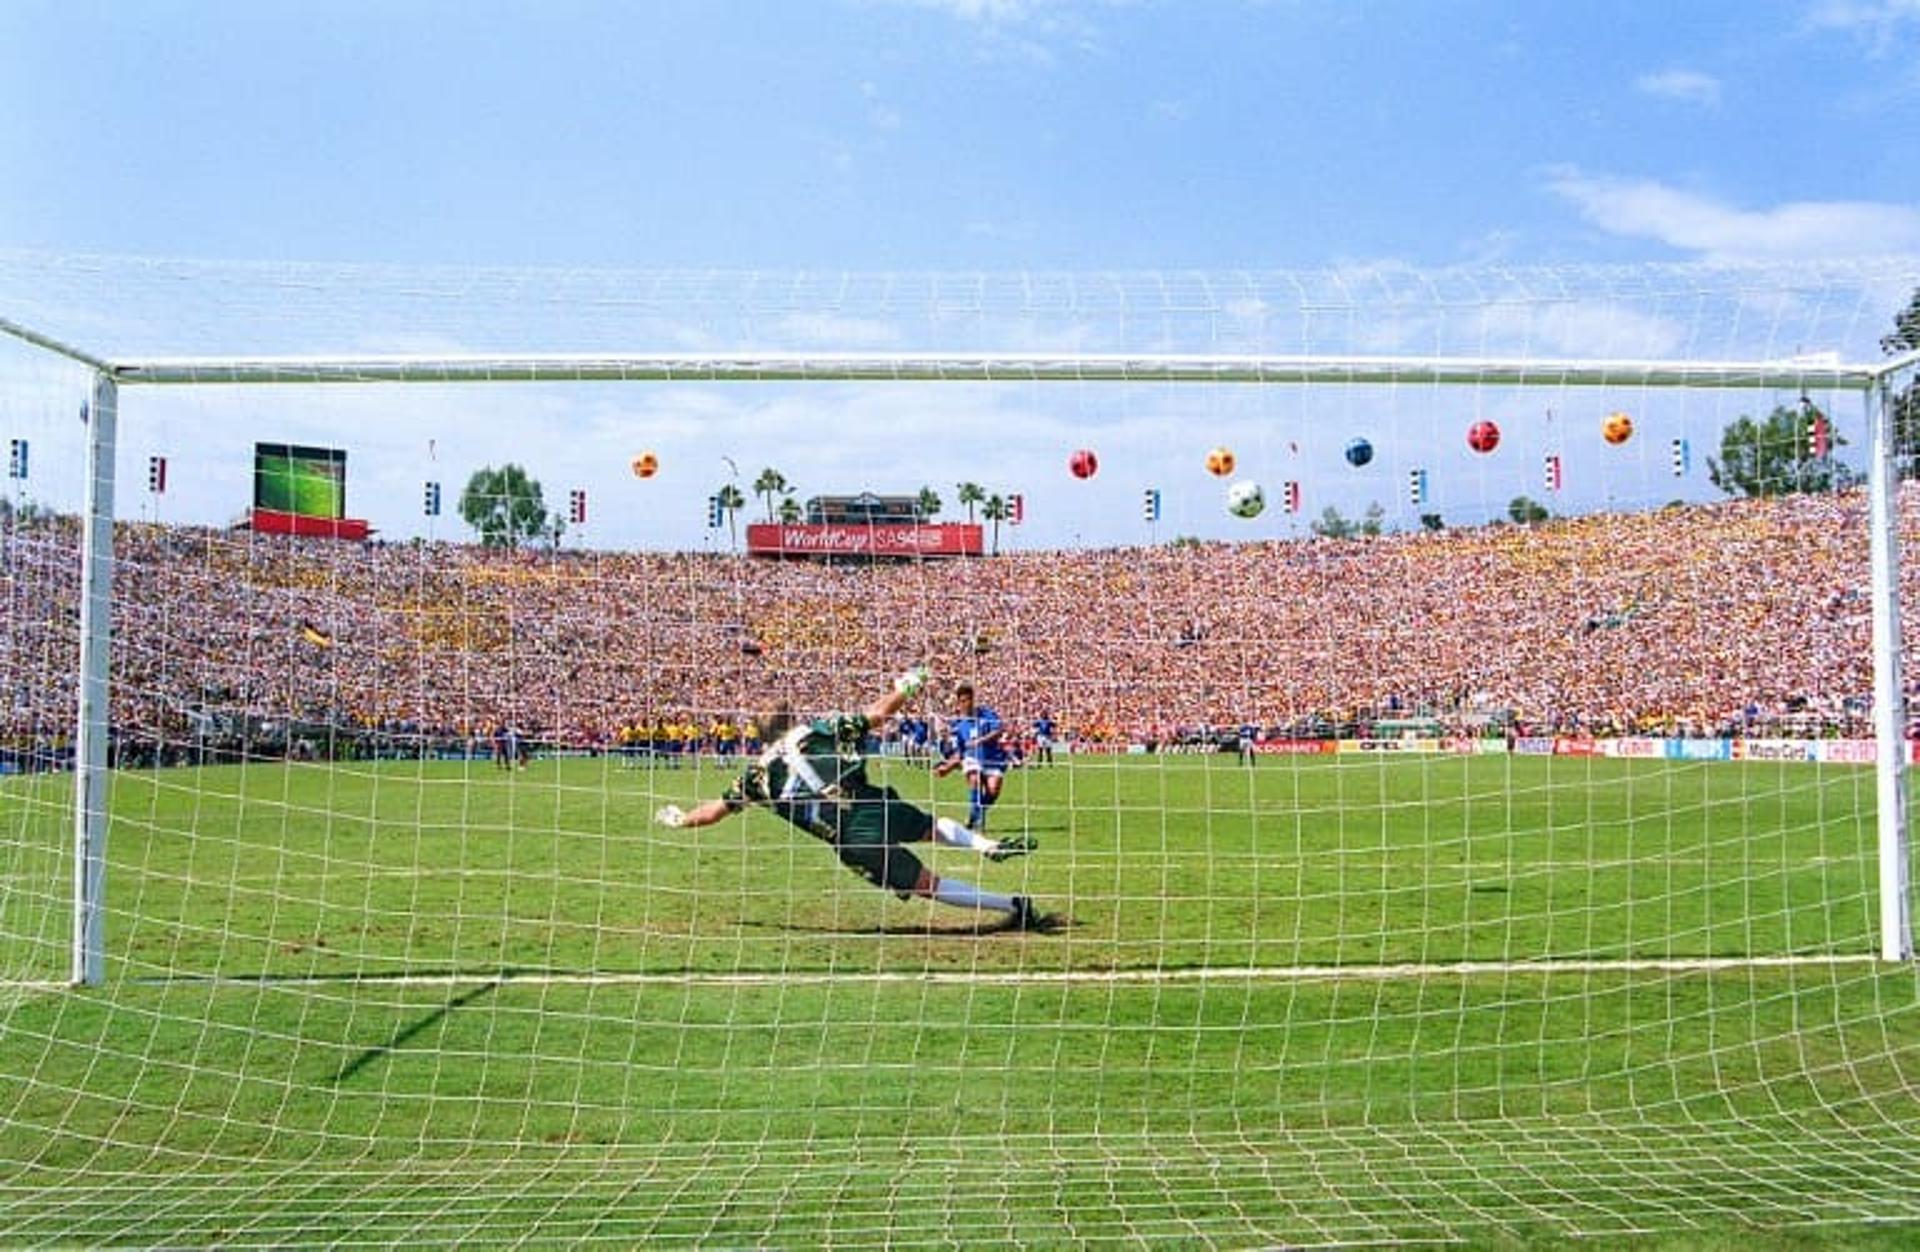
[(1424, 773)]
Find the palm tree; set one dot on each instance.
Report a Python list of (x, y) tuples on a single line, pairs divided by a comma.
[(995, 510), (928, 503), (790, 511), (970, 495), (730, 503), (770, 484)]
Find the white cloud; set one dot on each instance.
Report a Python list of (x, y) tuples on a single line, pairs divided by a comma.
[(835, 331), (1031, 32), (1686, 86), (988, 11), (1882, 25), (880, 114), (1687, 220)]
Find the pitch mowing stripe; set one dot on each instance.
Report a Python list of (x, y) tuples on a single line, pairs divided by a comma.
[(1177, 974)]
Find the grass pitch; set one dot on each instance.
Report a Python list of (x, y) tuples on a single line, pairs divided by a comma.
[(1326, 1000)]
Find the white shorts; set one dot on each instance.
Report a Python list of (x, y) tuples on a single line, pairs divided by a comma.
[(974, 769)]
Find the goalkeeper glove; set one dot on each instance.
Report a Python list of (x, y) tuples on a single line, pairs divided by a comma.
[(910, 682), (671, 815)]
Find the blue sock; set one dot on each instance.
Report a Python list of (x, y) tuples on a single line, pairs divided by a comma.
[(976, 810)]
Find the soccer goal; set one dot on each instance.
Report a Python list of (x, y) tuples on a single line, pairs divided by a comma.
[(1363, 756)]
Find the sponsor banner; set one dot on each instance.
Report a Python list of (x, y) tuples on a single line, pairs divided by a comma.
[(1635, 748), (1296, 747), (1533, 745), (1576, 745), (1699, 749), (1389, 745), (1774, 750), (275, 522), (1849, 751), (939, 539)]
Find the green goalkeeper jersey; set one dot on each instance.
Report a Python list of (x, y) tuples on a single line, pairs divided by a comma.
[(812, 776)]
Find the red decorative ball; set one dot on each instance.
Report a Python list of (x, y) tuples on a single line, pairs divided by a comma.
[(1483, 436), (1083, 463)]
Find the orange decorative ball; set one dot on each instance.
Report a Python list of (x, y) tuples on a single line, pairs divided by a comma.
[(646, 465), (1617, 428), (1220, 462)]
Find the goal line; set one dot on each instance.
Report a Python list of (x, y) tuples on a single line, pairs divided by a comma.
[(1017, 977)]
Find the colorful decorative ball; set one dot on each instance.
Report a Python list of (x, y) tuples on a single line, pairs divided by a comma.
[(1359, 452), (1483, 436), (646, 465), (1220, 462), (1083, 464), (1616, 428)]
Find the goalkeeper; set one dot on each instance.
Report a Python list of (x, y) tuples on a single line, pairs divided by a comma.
[(813, 774)]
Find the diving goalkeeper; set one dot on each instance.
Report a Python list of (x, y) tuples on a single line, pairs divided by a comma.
[(813, 774)]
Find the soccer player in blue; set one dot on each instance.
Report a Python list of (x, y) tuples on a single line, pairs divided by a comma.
[(979, 752), (1043, 739)]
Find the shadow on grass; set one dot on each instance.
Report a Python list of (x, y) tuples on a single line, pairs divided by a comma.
[(1051, 923), (406, 1033)]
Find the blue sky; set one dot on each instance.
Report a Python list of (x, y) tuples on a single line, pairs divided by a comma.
[(972, 134), (988, 135)]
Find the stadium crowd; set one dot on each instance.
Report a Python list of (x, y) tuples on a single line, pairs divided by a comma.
[(1748, 617)]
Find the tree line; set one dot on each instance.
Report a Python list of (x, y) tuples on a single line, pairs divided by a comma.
[(506, 506), (1791, 450)]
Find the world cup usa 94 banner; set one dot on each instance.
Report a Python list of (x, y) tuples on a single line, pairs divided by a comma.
[(943, 539)]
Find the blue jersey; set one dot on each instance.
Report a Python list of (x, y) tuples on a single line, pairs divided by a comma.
[(969, 734), (1043, 728)]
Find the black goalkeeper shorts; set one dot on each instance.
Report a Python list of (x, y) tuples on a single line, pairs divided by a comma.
[(871, 839)]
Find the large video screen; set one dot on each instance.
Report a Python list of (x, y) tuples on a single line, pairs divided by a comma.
[(311, 482)]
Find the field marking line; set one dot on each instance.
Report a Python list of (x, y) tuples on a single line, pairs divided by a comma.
[(1011, 977)]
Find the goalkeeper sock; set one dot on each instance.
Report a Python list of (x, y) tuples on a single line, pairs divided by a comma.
[(952, 834), (967, 896)]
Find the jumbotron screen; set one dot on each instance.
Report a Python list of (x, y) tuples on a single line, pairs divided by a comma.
[(311, 482)]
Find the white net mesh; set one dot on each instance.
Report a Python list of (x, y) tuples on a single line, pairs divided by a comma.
[(1464, 881)]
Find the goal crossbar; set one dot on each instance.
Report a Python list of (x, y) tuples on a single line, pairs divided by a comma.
[(1008, 367)]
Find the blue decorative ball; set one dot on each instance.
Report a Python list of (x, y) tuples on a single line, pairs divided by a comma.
[(1359, 452)]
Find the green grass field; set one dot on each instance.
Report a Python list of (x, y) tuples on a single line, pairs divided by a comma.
[(1499, 1001)]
